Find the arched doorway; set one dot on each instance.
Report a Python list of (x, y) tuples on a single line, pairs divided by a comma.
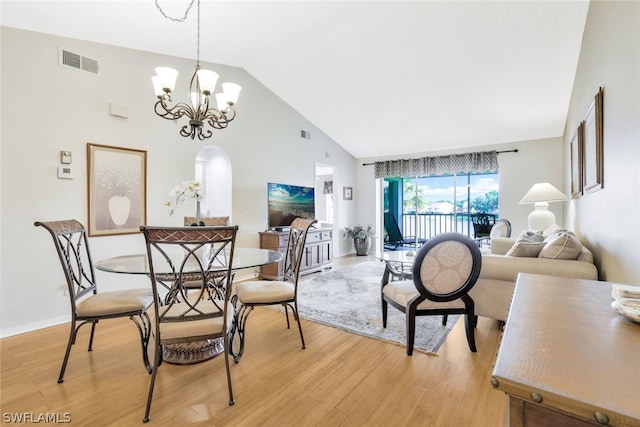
[(213, 171)]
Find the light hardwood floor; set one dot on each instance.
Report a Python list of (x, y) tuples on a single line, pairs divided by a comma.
[(340, 379)]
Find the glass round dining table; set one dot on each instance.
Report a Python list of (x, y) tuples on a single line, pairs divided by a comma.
[(139, 263), (195, 352)]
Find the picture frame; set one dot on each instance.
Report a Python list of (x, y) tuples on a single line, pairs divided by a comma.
[(117, 189), (593, 166), (576, 162), (347, 193)]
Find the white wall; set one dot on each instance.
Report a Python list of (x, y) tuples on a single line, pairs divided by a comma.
[(607, 220), (47, 108), (536, 161)]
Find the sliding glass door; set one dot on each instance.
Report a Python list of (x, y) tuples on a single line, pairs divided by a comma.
[(426, 206)]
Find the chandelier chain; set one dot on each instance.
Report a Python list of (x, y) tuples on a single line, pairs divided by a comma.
[(184, 18), (176, 19), (198, 32)]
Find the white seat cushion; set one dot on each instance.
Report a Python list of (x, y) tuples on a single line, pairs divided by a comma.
[(264, 291), (404, 291), (194, 328), (110, 303)]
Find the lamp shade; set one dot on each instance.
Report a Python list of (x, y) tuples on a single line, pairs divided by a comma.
[(543, 192), (540, 195)]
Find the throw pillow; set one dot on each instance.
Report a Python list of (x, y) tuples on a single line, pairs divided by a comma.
[(531, 236), (524, 248), (563, 245), (552, 229)]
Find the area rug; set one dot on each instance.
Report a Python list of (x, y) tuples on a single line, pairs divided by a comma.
[(349, 299)]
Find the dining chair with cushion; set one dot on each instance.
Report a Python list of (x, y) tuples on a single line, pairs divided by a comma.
[(445, 269), (87, 304), (284, 292), (501, 228), (189, 314)]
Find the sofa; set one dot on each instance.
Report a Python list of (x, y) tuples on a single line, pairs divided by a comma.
[(552, 252)]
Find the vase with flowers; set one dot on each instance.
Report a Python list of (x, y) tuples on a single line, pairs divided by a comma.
[(361, 236), (182, 192)]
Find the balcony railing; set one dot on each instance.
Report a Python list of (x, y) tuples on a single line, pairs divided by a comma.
[(427, 225)]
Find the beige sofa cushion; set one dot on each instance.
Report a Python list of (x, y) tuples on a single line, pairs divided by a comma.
[(562, 245), (524, 248)]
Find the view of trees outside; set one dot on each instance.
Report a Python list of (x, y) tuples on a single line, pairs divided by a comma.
[(446, 194)]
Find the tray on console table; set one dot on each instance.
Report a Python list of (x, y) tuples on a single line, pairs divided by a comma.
[(566, 357)]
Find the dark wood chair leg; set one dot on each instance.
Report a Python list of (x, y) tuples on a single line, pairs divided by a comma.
[(411, 329), (469, 326), (384, 313)]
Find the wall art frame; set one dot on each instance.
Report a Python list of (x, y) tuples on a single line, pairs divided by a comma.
[(577, 169), (593, 144), (347, 193), (117, 189)]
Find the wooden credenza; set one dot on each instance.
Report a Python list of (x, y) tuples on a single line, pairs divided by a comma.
[(566, 357), (318, 251)]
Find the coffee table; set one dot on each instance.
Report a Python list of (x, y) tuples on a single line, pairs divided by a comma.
[(398, 265)]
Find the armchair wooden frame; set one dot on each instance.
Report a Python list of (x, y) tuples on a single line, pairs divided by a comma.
[(427, 294)]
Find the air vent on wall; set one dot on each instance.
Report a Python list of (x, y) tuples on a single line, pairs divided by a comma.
[(78, 62)]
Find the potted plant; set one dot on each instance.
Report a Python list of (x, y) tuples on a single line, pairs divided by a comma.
[(361, 236)]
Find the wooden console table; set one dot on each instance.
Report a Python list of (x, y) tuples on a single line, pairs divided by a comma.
[(566, 357), (318, 251)]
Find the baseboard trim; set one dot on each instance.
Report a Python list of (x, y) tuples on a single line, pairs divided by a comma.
[(30, 327)]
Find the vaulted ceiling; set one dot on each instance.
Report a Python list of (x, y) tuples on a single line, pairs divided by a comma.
[(380, 78)]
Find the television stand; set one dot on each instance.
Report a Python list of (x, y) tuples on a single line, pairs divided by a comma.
[(318, 252)]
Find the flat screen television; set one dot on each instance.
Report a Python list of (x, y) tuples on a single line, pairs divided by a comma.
[(288, 202)]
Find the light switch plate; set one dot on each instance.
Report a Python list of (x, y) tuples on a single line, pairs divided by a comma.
[(65, 157), (65, 172)]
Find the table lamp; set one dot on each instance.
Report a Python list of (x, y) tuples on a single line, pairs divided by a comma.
[(540, 195)]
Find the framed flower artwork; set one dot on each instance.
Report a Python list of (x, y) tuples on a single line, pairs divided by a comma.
[(117, 189)]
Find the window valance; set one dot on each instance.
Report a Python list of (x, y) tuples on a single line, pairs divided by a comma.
[(481, 162)]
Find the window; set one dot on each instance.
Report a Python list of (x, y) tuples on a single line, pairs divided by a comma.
[(426, 206)]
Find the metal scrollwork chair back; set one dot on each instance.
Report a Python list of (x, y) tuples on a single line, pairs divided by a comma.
[(284, 292), (88, 306), (196, 263)]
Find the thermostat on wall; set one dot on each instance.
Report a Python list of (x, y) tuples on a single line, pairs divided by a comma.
[(65, 172)]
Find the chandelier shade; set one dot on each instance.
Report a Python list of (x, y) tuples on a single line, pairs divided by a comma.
[(198, 110)]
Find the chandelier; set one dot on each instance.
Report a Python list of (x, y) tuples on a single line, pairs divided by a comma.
[(203, 84)]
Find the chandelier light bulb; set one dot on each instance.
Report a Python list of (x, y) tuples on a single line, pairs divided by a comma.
[(232, 92), (167, 78), (157, 87), (207, 80)]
